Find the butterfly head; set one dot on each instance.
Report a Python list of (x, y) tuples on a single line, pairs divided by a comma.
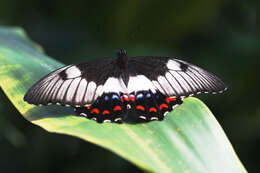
[(121, 53)]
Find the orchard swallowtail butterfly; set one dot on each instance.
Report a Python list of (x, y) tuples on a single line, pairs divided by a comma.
[(106, 90)]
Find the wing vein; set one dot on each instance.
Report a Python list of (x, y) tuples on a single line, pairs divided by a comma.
[(208, 84), (183, 90), (50, 88), (188, 83), (171, 85), (199, 79)]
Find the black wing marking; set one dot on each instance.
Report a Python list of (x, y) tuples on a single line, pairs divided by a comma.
[(174, 77), (75, 85)]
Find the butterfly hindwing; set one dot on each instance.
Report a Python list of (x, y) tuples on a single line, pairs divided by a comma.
[(107, 108)]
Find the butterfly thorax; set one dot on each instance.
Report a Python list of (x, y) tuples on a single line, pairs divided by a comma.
[(122, 63), (122, 59)]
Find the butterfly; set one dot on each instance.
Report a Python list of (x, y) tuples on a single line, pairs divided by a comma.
[(115, 89)]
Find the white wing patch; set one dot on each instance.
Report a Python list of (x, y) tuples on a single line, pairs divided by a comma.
[(181, 82), (99, 91), (81, 91), (158, 86), (166, 85), (53, 94), (192, 84), (90, 92), (114, 85), (72, 89), (72, 72), (140, 82), (173, 82), (62, 90), (173, 65)]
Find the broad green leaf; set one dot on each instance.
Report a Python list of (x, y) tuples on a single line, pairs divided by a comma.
[(188, 140)]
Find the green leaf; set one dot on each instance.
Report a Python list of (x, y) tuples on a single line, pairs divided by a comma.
[(188, 140)]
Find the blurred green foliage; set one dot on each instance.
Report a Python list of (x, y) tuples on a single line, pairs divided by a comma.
[(218, 35)]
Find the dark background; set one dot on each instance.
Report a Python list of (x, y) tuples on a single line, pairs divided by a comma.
[(219, 35)]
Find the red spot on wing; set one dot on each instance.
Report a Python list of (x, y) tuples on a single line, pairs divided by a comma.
[(152, 109), (163, 105), (124, 97), (95, 110), (139, 107), (132, 98), (117, 108), (105, 112), (170, 99)]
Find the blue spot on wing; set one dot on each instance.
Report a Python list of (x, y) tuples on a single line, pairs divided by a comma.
[(148, 95), (139, 96), (106, 98), (114, 96)]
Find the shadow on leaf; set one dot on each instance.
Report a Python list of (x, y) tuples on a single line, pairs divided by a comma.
[(42, 112)]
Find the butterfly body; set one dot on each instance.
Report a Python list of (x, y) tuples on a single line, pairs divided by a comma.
[(114, 89)]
